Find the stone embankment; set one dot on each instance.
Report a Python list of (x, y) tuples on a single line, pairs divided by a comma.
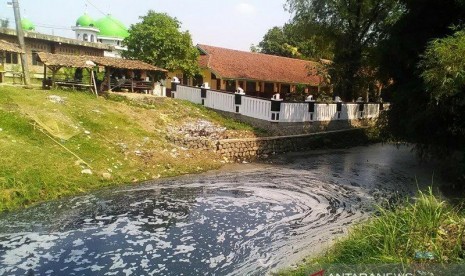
[(203, 135)]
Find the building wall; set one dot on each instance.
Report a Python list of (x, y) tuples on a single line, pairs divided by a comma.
[(37, 45), (262, 88)]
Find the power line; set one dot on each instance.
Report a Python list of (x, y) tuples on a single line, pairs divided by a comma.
[(52, 27), (92, 4), (103, 13)]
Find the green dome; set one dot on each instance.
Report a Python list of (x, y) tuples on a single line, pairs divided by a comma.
[(111, 27), (27, 25), (85, 21)]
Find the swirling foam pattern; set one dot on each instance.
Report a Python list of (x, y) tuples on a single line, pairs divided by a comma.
[(248, 221)]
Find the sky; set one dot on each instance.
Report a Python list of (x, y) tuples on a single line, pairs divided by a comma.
[(235, 24)]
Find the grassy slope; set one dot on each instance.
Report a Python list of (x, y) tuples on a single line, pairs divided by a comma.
[(397, 237), (126, 140)]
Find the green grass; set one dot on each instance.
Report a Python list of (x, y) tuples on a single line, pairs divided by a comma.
[(397, 236), (44, 146)]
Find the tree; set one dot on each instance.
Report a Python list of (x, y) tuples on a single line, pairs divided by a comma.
[(275, 42), (296, 41), (443, 73), (443, 68), (158, 40), (355, 25), (423, 111)]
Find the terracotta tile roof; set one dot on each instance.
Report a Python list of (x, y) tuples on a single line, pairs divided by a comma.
[(90, 61), (203, 61), (9, 47), (50, 59), (233, 64)]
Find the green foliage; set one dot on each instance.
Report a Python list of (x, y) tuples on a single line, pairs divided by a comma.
[(395, 236), (296, 40), (158, 40), (436, 127), (355, 27), (443, 67)]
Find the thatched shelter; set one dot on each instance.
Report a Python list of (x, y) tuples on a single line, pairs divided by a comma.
[(136, 70)]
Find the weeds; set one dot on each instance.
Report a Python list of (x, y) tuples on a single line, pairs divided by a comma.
[(426, 226)]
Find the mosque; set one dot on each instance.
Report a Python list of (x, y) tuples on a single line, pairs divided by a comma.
[(107, 30)]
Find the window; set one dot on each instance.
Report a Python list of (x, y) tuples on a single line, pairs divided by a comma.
[(231, 85), (35, 59), (91, 38), (269, 87), (11, 58), (251, 87), (85, 37), (78, 36)]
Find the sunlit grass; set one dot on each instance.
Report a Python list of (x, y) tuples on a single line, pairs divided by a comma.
[(45, 146)]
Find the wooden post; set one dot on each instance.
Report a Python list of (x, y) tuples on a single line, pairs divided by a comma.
[(45, 77), (54, 72), (107, 75), (92, 82)]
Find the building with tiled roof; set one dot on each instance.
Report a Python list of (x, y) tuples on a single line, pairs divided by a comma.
[(258, 74)]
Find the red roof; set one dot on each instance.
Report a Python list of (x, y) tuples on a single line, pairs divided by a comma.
[(233, 64)]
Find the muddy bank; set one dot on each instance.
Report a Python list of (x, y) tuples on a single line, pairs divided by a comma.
[(243, 219)]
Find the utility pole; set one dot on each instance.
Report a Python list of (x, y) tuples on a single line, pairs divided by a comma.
[(20, 34)]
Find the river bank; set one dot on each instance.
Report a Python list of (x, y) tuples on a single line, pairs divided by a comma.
[(55, 144), (243, 219)]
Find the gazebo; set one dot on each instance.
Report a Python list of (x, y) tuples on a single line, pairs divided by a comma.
[(133, 75), (7, 47), (55, 62)]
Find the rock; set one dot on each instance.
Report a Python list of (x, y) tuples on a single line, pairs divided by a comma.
[(1, 129), (86, 171), (56, 99), (86, 132), (106, 176)]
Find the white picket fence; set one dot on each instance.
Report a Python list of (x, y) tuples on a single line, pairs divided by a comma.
[(220, 101), (190, 94), (289, 112), (256, 108)]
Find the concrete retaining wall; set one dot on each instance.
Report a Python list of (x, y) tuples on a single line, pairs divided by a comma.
[(262, 147)]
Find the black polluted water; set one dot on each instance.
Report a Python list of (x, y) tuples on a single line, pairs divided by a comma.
[(248, 219)]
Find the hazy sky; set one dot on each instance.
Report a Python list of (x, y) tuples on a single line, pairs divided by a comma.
[(232, 24)]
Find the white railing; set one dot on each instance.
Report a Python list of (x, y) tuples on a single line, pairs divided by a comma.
[(372, 111), (256, 108), (191, 94), (349, 111), (289, 112), (294, 113), (220, 101), (325, 112)]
